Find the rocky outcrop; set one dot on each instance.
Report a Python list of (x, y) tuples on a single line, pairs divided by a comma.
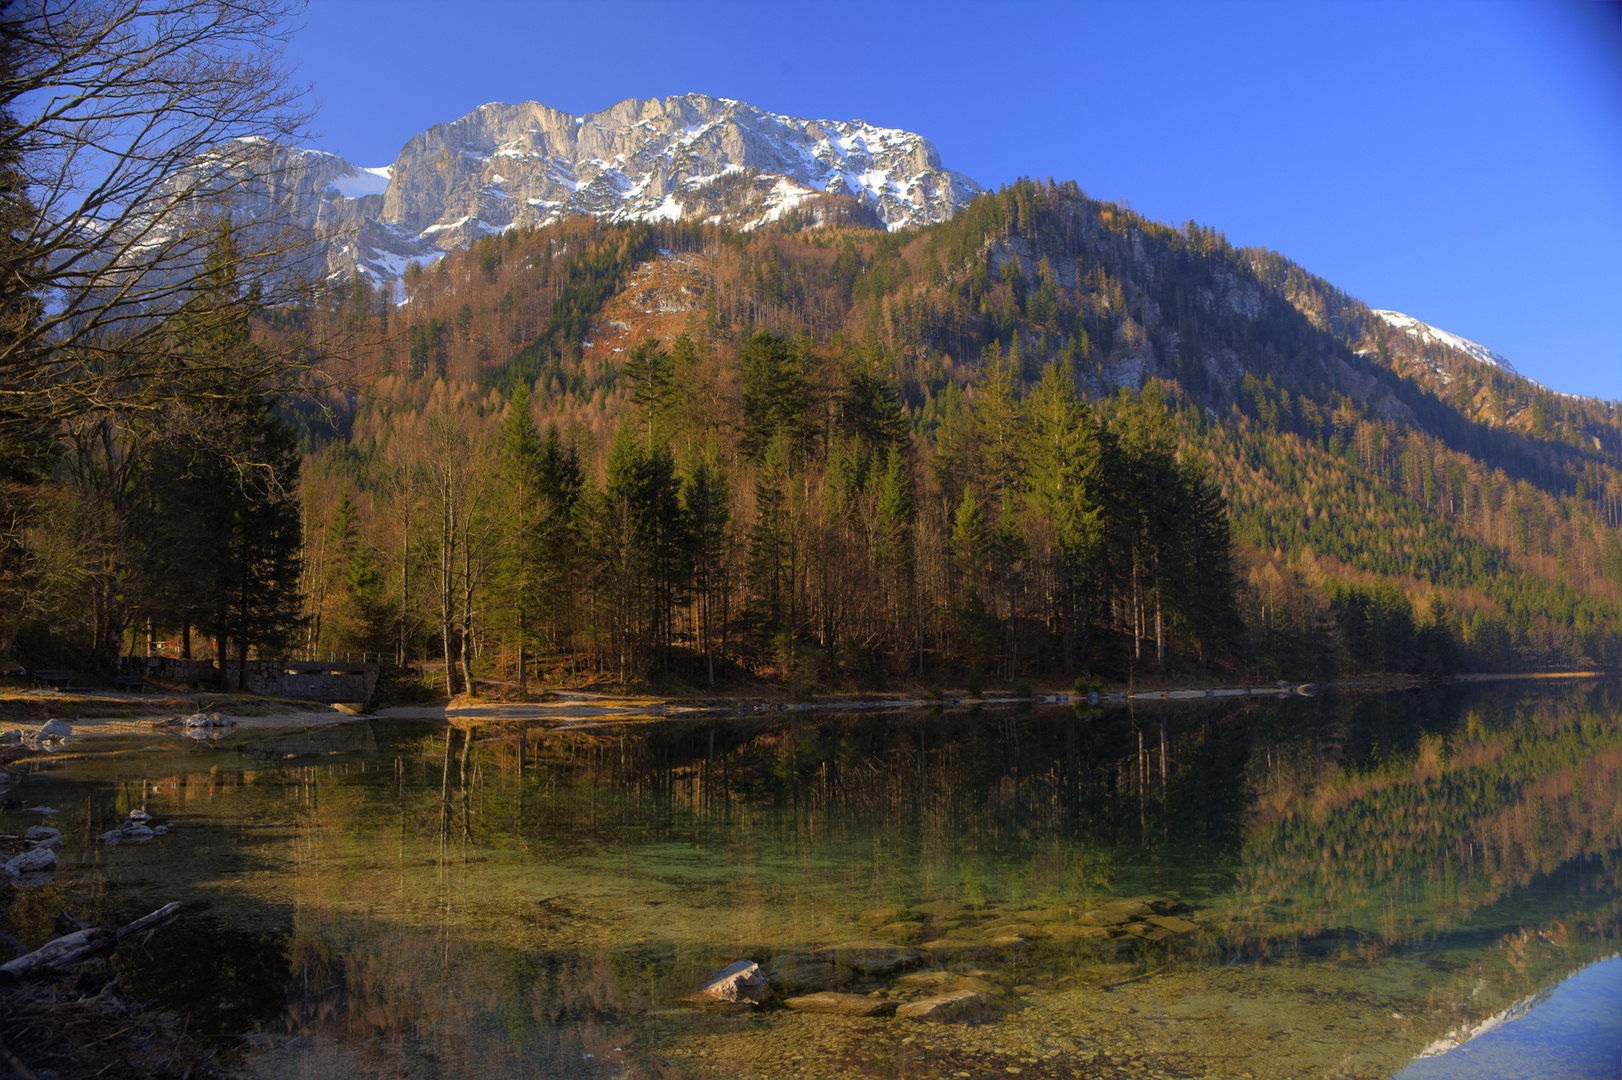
[(508, 166)]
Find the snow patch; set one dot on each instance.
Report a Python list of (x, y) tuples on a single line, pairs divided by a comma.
[(365, 182), (1425, 332)]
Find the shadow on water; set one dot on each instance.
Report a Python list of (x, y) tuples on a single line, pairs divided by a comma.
[(414, 900)]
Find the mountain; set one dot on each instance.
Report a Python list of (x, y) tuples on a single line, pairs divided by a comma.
[(1357, 449), (692, 158)]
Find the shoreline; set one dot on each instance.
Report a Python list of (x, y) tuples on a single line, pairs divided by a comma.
[(567, 708)]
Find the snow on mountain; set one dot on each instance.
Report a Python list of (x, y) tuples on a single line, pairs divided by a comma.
[(363, 182), (683, 158), (1427, 333)]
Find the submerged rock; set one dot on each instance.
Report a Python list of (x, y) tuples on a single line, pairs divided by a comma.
[(795, 973), (841, 1004), (943, 1007), (870, 957), (957, 949), (1173, 923), (945, 982)]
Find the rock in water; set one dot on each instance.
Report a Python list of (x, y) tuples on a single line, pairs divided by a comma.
[(841, 1004), (944, 1007), (743, 981), (794, 973), (44, 837), (33, 861), (870, 957), (56, 729)]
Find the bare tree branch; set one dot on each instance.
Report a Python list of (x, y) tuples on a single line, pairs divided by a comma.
[(131, 128)]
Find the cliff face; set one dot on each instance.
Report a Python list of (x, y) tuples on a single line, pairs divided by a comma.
[(695, 157)]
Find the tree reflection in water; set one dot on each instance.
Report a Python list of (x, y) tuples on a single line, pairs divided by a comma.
[(502, 901)]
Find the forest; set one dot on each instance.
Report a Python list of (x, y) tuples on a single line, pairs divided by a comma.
[(1046, 440)]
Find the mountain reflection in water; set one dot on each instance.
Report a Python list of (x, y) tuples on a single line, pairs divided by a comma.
[(1365, 873)]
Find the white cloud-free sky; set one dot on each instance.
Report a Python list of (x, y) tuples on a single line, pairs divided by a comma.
[(1457, 161)]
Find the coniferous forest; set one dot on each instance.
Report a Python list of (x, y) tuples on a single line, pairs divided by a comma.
[(1046, 440)]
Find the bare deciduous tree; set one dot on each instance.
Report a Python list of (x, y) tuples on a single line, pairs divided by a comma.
[(129, 128)]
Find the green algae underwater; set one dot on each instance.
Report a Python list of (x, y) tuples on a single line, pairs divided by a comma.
[(1323, 887)]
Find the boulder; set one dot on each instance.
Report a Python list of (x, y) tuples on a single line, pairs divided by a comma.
[(1173, 923), (794, 973), (11, 738), (841, 1004), (7, 874), (44, 837), (136, 834), (943, 1007), (870, 957), (55, 729), (33, 860), (140, 815), (735, 983), (111, 836), (207, 720)]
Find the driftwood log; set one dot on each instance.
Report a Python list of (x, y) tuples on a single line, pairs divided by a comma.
[(80, 945)]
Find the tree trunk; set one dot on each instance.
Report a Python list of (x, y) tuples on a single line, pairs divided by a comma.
[(79, 946)]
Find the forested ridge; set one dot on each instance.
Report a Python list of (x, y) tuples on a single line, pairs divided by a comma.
[(1370, 513), (1046, 439)]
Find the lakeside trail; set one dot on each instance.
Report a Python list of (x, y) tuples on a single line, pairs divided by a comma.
[(110, 713)]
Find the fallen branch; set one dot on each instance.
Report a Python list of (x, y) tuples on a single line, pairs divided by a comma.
[(1135, 978), (79, 946)]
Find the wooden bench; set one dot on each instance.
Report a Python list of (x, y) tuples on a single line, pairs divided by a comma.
[(49, 678), (130, 682)]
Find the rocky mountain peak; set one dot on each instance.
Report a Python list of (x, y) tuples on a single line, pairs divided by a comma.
[(506, 166)]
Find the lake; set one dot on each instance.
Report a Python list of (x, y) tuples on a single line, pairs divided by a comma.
[(1330, 886)]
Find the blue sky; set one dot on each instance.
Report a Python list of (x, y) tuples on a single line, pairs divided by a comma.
[(1460, 162)]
